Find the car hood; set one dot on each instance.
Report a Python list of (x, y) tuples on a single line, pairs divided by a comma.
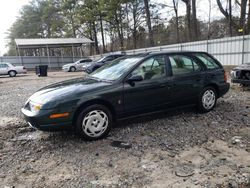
[(62, 92)]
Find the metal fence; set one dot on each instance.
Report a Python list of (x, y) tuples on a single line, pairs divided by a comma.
[(229, 51)]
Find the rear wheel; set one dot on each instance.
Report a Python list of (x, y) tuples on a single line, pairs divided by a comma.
[(94, 122), (12, 73), (72, 69), (207, 99)]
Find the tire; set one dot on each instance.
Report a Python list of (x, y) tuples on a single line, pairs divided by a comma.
[(72, 69), (94, 116), (12, 73), (207, 99)]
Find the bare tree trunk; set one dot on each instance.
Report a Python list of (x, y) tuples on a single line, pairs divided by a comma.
[(243, 7), (134, 28), (248, 20), (102, 34), (189, 20), (228, 15), (148, 18), (95, 39), (175, 3), (127, 29), (91, 38), (209, 20), (119, 31), (73, 26), (230, 18), (194, 21)]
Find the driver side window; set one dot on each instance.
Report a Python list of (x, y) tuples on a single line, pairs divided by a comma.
[(152, 68)]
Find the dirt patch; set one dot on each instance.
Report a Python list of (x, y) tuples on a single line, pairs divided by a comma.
[(175, 149)]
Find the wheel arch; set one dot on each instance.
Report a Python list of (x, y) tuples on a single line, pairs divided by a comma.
[(93, 102), (215, 86), (12, 70)]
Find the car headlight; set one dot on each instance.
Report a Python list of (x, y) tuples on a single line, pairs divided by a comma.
[(34, 107)]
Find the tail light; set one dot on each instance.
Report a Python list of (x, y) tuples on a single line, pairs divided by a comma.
[(225, 76)]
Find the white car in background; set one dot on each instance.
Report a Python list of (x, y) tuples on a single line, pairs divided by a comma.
[(77, 66), (11, 70)]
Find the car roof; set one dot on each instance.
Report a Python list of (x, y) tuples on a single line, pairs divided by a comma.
[(175, 51)]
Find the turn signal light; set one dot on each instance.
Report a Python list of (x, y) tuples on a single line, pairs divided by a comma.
[(53, 116)]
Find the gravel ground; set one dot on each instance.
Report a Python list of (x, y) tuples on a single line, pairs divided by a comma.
[(174, 149)]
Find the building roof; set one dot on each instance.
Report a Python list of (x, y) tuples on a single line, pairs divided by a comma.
[(52, 42)]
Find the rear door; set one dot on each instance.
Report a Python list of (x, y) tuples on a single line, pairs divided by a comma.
[(153, 92), (188, 78)]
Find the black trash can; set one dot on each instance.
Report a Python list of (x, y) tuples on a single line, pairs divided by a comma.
[(42, 70)]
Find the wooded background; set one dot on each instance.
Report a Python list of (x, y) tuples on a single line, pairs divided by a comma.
[(117, 25)]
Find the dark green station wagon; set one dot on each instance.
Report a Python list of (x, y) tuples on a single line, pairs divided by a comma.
[(129, 86)]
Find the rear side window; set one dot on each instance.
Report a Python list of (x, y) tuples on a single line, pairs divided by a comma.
[(183, 65), (208, 61), (3, 66)]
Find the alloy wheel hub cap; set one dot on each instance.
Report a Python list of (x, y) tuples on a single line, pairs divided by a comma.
[(95, 123), (208, 99)]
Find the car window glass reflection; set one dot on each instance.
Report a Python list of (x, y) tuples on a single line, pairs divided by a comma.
[(183, 65), (208, 61), (152, 68)]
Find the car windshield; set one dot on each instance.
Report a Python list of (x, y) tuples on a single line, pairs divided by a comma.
[(115, 69)]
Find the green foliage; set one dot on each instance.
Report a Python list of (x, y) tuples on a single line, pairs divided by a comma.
[(114, 24)]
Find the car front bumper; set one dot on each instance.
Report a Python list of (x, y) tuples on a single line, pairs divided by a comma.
[(241, 81), (42, 121), (65, 69)]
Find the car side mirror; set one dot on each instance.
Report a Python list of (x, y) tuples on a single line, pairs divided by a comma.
[(135, 78)]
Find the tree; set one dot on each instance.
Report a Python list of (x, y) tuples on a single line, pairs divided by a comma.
[(175, 4), (239, 21), (188, 18), (194, 21), (148, 19)]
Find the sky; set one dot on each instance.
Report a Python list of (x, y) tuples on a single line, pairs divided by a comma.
[(9, 10)]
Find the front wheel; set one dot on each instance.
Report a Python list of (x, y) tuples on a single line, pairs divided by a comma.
[(207, 99), (94, 122), (72, 69)]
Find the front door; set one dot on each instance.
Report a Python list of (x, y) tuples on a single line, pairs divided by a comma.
[(153, 92)]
